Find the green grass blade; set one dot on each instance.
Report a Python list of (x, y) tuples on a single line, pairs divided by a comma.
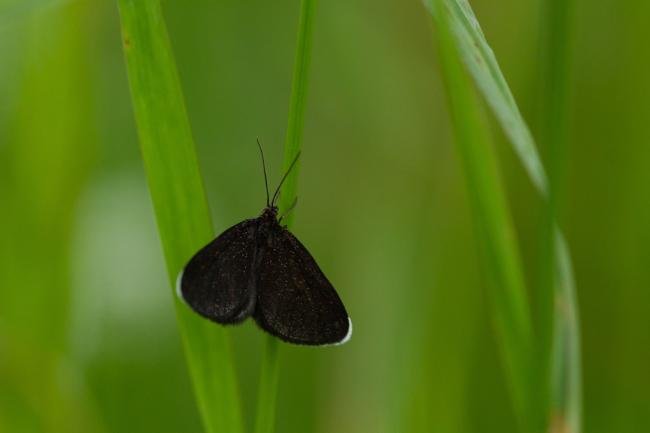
[(560, 339), (567, 363), (293, 139), (179, 200), (494, 227), (268, 389), (265, 421), (482, 65)]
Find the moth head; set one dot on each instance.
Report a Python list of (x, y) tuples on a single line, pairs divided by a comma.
[(270, 212)]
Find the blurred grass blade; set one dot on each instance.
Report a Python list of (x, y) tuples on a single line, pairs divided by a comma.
[(482, 65), (179, 200), (265, 421), (48, 149), (494, 227), (567, 374), (295, 124), (268, 389), (558, 334)]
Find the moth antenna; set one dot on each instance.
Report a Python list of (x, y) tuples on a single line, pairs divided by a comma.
[(295, 202), (284, 178), (266, 181)]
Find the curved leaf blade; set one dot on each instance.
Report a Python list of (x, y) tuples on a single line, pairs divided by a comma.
[(179, 200), (481, 63)]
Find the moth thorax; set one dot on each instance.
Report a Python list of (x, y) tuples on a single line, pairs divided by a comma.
[(270, 213)]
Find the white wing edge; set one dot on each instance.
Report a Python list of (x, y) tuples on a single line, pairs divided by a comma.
[(179, 293), (347, 336)]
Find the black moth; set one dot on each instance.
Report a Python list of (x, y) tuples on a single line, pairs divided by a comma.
[(258, 268)]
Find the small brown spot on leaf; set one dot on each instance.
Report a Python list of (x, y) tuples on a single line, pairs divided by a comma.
[(558, 424)]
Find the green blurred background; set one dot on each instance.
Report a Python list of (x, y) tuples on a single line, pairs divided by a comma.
[(88, 338)]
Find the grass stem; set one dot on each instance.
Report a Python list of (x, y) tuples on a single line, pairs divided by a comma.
[(461, 38), (553, 332), (265, 422), (494, 227), (179, 200), (267, 394)]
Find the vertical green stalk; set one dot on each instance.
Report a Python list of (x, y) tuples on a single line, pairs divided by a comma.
[(293, 141), (557, 303), (268, 390), (265, 421), (179, 200), (494, 228), (566, 379), (556, 49)]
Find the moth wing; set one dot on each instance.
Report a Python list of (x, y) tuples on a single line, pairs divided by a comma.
[(295, 301), (217, 282)]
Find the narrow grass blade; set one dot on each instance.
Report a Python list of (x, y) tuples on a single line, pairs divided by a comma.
[(265, 421), (179, 200), (293, 139), (558, 335), (268, 389), (566, 415), (494, 227), (482, 65)]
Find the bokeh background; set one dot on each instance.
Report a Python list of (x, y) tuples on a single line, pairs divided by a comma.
[(88, 338)]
